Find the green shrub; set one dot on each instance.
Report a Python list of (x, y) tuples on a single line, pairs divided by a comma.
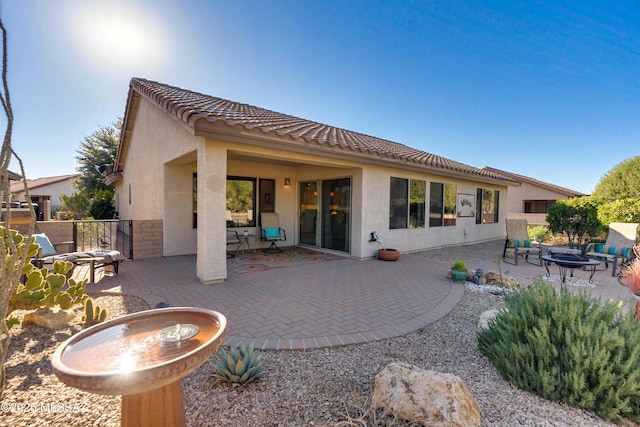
[(568, 348), (621, 210), (538, 233), (459, 265)]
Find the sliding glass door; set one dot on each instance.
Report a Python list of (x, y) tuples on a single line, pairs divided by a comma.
[(325, 213)]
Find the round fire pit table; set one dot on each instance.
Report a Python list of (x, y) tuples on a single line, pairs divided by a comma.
[(571, 262), (143, 357)]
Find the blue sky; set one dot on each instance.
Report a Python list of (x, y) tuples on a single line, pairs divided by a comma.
[(547, 89)]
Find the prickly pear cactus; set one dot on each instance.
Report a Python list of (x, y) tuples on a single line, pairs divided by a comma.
[(42, 288)]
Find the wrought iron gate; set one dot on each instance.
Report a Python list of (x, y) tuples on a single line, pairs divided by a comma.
[(108, 234)]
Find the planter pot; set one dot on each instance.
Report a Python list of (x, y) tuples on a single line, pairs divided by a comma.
[(458, 276), (388, 254)]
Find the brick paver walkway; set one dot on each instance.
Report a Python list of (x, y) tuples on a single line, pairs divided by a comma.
[(311, 306), (325, 304)]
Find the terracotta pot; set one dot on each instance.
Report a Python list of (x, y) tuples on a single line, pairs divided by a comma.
[(388, 254)]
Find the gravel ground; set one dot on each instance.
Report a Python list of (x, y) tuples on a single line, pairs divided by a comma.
[(324, 387)]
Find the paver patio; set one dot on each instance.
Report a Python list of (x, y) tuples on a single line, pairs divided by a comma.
[(325, 304)]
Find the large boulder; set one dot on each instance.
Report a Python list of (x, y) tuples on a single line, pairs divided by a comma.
[(425, 397), (52, 318), (485, 317)]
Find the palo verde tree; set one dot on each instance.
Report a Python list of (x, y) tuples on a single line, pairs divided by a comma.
[(577, 217), (14, 252), (96, 156), (621, 182)]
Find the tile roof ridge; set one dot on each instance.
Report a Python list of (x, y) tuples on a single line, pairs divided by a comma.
[(536, 182), (191, 106)]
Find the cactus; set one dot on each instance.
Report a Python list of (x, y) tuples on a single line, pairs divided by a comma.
[(42, 288), (239, 366), (93, 313)]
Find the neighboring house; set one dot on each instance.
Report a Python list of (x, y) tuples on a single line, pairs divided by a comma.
[(532, 198), (45, 192), (12, 177), (189, 166)]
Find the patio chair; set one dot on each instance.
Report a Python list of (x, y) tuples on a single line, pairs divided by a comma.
[(271, 231), (518, 242), (232, 239), (618, 247), (48, 254)]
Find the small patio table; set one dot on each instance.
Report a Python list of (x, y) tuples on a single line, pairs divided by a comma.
[(245, 243), (571, 262)]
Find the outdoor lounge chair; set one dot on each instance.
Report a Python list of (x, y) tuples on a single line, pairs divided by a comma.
[(95, 259), (619, 245), (271, 231), (518, 242)]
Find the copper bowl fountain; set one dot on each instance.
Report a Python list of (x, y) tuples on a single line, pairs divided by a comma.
[(143, 357)]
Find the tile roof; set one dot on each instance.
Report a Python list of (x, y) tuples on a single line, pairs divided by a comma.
[(18, 186), (552, 187), (192, 108)]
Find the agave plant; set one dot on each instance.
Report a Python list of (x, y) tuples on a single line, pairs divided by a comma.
[(239, 366)]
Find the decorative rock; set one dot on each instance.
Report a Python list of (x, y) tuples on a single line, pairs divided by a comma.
[(483, 322), (52, 318), (426, 397), (494, 278)]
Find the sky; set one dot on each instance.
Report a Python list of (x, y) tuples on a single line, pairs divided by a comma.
[(548, 89)]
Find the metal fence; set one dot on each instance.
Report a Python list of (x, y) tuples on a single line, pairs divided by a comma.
[(108, 234)]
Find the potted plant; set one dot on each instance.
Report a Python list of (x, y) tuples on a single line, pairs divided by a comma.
[(630, 276), (459, 271)]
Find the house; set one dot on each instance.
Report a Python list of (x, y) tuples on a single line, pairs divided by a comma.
[(44, 192), (190, 166), (532, 198)]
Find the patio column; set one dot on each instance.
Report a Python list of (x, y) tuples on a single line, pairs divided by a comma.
[(211, 264)]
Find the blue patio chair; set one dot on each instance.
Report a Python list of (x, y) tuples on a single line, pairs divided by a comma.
[(271, 231)]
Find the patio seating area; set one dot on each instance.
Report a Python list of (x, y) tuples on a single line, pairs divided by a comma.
[(335, 303)]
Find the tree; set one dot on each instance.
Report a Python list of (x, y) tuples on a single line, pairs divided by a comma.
[(621, 210), (621, 182), (96, 156), (577, 217), (14, 250)]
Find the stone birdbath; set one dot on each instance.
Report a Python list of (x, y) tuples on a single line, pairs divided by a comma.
[(142, 357)]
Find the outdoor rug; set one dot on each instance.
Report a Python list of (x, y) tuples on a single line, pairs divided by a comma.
[(260, 261)]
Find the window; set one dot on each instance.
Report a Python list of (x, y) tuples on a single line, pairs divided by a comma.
[(488, 203), (241, 201), (194, 202), (536, 206), (442, 204), (267, 199), (407, 203), (417, 199), (398, 203)]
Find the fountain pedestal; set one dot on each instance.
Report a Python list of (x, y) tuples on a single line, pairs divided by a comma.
[(143, 357)]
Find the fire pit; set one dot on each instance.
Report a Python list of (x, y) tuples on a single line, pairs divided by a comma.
[(143, 357)]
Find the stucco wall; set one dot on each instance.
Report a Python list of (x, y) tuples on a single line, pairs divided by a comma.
[(529, 192), (155, 140), (376, 187)]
